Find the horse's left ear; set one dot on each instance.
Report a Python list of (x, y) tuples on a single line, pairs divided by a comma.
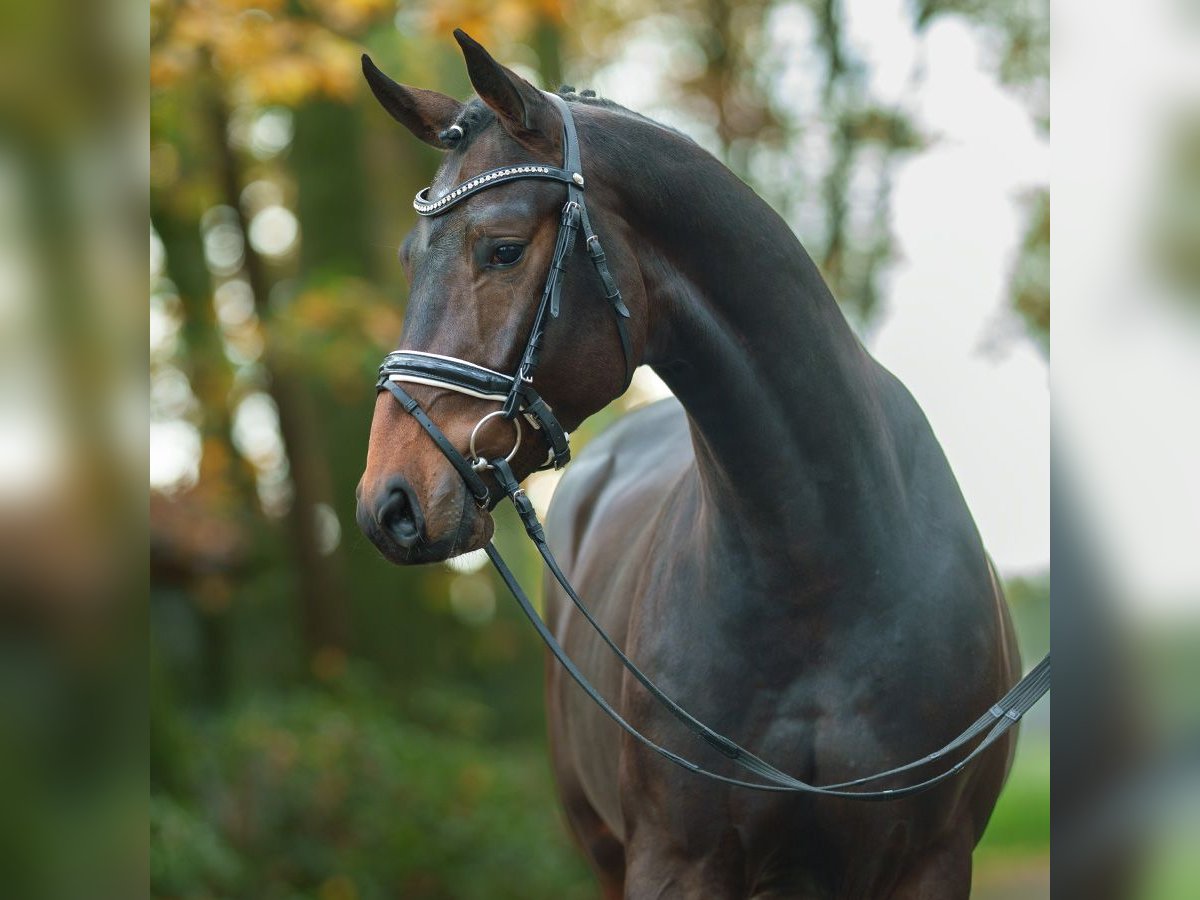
[(523, 110)]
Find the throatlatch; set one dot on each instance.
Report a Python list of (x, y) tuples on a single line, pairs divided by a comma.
[(520, 402)]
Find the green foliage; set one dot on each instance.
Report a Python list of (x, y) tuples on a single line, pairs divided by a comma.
[(1174, 868), (1020, 824), (188, 856), (1030, 281), (1029, 601), (324, 794), (1175, 217)]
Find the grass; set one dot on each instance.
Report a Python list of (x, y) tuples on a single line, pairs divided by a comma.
[(1013, 859)]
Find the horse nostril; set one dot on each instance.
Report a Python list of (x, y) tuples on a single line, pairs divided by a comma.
[(398, 517)]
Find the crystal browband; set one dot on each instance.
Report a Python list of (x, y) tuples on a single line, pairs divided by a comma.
[(426, 207)]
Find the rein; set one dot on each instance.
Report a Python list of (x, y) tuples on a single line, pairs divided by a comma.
[(520, 402)]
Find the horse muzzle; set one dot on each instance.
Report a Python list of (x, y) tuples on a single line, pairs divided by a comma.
[(407, 533)]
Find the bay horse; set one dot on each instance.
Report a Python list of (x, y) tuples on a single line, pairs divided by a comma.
[(783, 547)]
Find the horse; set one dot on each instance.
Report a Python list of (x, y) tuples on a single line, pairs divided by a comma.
[(782, 545)]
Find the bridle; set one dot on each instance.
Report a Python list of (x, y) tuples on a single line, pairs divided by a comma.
[(516, 392), (519, 401)]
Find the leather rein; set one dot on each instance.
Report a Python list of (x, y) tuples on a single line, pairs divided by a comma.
[(521, 403)]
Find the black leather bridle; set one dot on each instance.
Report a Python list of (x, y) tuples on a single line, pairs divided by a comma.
[(516, 392), (519, 401)]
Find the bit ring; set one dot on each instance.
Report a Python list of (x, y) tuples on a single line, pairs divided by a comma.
[(482, 465)]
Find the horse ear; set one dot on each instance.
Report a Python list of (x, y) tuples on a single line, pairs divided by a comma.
[(523, 110), (425, 113)]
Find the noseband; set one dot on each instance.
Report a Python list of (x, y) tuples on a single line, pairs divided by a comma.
[(515, 392), (520, 401)]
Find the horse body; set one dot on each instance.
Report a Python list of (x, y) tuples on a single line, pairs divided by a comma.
[(788, 554), (783, 549), (824, 696)]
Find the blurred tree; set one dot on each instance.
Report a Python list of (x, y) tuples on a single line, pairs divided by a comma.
[(1030, 283), (257, 127), (850, 261), (216, 54), (824, 154), (1175, 214), (1019, 36)]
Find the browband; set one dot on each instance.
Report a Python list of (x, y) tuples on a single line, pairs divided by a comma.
[(426, 207)]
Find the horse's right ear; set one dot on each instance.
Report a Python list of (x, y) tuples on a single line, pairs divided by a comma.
[(523, 110), (425, 113)]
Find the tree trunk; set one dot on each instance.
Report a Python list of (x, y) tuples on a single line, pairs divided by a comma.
[(320, 585)]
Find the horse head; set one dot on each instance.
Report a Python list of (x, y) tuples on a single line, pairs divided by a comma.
[(477, 272)]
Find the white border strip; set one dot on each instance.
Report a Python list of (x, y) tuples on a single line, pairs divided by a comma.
[(433, 382)]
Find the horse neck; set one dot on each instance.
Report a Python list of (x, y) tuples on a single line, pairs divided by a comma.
[(792, 445)]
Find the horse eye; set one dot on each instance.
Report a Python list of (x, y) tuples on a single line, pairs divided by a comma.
[(506, 254)]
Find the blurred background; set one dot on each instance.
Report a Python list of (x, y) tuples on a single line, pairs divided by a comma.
[(326, 725), (322, 724)]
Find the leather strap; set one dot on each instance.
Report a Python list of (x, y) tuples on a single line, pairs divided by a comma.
[(476, 381), (475, 484), (467, 377), (1000, 717), (551, 295), (524, 507), (427, 207), (573, 162), (532, 404), (1030, 689), (611, 292), (575, 216)]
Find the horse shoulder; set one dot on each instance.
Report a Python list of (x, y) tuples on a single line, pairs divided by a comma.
[(628, 464), (599, 509)]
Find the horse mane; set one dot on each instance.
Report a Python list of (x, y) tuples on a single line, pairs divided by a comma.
[(477, 116)]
